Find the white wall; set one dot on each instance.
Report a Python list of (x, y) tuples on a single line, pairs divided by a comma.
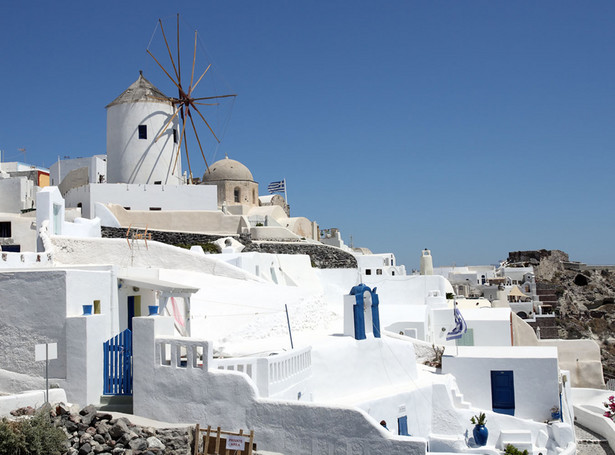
[(407, 289), (536, 376), (491, 326), (97, 166), (35, 305), (229, 399), (23, 230), (85, 336), (16, 194), (33, 398), (143, 197), (50, 212), (199, 221)]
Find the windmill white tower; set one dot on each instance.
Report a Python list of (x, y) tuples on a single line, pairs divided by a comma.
[(142, 137)]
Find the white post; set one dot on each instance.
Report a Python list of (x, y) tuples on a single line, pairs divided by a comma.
[(285, 194)]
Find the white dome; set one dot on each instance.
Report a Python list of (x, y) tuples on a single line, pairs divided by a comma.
[(227, 169)]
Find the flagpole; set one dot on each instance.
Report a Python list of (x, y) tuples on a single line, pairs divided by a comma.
[(285, 194)]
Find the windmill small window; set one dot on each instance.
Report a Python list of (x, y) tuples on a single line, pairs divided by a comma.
[(142, 131), (237, 195), (174, 135)]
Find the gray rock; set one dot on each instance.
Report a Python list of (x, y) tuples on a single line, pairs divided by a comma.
[(154, 443), (138, 444), (85, 449), (119, 428)]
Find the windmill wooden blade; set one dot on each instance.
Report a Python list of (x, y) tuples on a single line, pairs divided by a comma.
[(193, 63), (179, 66), (199, 80), (198, 140), (165, 71), (207, 104), (206, 123), (180, 141), (168, 48), (164, 128), (213, 97), (186, 147)]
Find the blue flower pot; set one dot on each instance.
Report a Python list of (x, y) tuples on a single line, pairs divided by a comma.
[(555, 415), (481, 434), (153, 310), (87, 310)]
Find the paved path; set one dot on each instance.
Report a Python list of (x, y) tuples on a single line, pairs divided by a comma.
[(590, 443)]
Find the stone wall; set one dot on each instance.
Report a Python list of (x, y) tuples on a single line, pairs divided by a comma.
[(322, 256)]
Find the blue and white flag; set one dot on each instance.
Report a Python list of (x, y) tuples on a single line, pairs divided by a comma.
[(460, 327), (277, 187)]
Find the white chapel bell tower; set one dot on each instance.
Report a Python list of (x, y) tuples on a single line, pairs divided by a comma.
[(135, 119)]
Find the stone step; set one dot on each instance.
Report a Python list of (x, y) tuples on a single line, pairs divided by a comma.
[(116, 403)]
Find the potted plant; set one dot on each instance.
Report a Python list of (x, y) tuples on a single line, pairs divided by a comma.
[(555, 415), (480, 430)]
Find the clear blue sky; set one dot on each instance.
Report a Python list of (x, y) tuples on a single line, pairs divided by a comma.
[(472, 128)]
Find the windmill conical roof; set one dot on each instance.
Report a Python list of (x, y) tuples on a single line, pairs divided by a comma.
[(141, 91)]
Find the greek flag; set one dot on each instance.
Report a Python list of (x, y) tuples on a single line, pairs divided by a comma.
[(460, 327), (277, 187)]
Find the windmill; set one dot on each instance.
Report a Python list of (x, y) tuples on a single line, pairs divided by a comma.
[(188, 106)]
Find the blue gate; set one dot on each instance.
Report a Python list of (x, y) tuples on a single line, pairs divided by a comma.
[(117, 374)]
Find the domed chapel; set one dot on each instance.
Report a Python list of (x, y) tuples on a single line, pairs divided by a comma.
[(236, 185)]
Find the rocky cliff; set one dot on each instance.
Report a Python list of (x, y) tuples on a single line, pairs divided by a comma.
[(585, 298)]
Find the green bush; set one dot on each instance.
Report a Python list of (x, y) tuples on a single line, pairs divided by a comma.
[(34, 436), (207, 247), (512, 450)]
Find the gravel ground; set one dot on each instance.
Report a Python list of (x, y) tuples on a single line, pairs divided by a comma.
[(590, 443)]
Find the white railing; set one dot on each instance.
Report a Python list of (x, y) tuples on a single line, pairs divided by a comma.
[(182, 353), (244, 365), (272, 374)]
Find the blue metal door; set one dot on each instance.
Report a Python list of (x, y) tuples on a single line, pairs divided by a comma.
[(117, 369), (503, 392), (402, 426)]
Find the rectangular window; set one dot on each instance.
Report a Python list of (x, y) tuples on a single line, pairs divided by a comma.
[(5, 229), (96, 306), (158, 182), (155, 208), (174, 135), (467, 339), (142, 131), (378, 271), (368, 271), (126, 208)]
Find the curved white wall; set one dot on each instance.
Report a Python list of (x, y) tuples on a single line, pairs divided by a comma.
[(134, 160)]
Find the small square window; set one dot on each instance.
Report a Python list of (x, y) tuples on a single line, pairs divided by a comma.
[(5, 229), (368, 271), (378, 271), (142, 131)]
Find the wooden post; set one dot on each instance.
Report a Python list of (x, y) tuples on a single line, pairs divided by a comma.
[(217, 450), (197, 430), (251, 442), (206, 441)]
